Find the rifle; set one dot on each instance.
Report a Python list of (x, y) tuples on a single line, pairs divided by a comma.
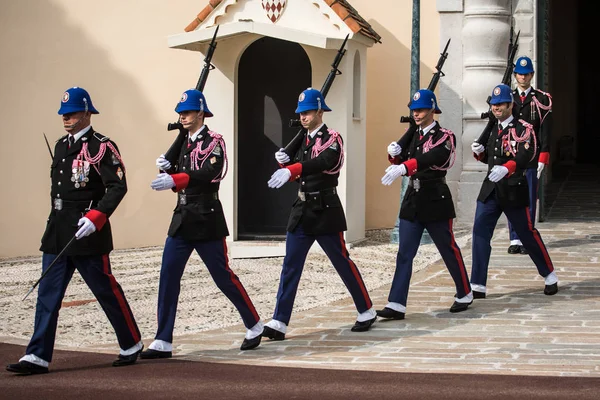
[(48, 145), (506, 79), (432, 85), (324, 90), (176, 146)]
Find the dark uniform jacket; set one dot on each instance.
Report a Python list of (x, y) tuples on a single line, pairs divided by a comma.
[(530, 112), (69, 203), (318, 208), (433, 200), (198, 215), (512, 190)]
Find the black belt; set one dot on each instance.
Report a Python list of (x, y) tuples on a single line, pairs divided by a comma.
[(304, 195), (417, 183), (184, 198), (59, 204)]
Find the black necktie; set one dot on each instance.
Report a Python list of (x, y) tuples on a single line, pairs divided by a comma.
[(522, 97), (71, 140)]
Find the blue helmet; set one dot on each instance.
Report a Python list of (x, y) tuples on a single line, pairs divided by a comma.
[(424, 98), (193, 100), (501, 94), (524, 66), (76, 99), (311, 99)]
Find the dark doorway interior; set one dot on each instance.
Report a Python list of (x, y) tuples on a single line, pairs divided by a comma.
[(272, 74)]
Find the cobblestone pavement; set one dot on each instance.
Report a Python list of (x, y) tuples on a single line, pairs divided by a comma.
[(515, 330)]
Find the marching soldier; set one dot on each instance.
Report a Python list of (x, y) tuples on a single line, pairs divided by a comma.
[(88, 183), (194, 173), (535, 107), (427, 203), (317, 214), (510, 148)]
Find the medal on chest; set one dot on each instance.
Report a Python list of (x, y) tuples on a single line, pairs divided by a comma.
[(80, 171)]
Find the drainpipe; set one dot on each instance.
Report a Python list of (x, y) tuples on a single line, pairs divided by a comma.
[(415, 56)]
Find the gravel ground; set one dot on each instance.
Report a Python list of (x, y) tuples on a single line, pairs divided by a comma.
[(201, 305)]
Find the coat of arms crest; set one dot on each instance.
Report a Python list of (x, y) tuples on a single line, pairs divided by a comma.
[(274, 8)]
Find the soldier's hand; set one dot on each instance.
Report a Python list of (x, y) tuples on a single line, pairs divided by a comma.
[(163, 182), (477, 148), (392, 173), (87, 227), (394, 149), (279, 178), (282, 157), (540, 168), (162, 163), (498, 172)]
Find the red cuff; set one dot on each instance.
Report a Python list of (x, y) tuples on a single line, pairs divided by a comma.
[(512, 166), (394, 160), (478, 157), (411, 166), (296, 170), (545, 157), (181, 180), (98, 218)]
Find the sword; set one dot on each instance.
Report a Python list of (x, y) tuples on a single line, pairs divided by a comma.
[(49, 267), (48, 144)]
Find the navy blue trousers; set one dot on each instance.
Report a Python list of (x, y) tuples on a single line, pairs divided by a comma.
[(97, 274), (297, 245), (532, 181), (486, 218), (213, 253), (409, 234)]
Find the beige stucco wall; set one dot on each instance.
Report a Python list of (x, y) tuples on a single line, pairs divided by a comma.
[(117, 50)]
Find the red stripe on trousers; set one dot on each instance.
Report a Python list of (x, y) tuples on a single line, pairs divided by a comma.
[(459, 258), (538, 239), (238, 284), (355, 272), (120, 299)]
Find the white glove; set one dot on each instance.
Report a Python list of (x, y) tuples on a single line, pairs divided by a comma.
[(279, 178), (498, 172), (163, 182), (87, 228), (392, 173), (477, 148), (162, 163), (282, 157), (394, 149), (541, 166)]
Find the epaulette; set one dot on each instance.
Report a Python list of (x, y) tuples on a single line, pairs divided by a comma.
[(62, 138), (101, 137)]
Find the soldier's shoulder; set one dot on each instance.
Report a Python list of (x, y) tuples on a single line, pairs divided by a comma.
[(100, 137), (60, 139)]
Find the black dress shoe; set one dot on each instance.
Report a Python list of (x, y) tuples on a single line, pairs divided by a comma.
[(478, 295), (127, 360), (363, 326), (523, 250), (458, 307), (152, 354), (514, 249), (388, 313), (26, 368), (551, 289), (249, 344), (273, 334)]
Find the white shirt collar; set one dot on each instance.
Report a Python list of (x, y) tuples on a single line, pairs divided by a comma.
[(427, 128), (313, 133), (526, 92), (507, 121), (194, 136), (82, 132)]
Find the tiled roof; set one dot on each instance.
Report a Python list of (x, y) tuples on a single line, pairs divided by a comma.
[(341, 7)]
